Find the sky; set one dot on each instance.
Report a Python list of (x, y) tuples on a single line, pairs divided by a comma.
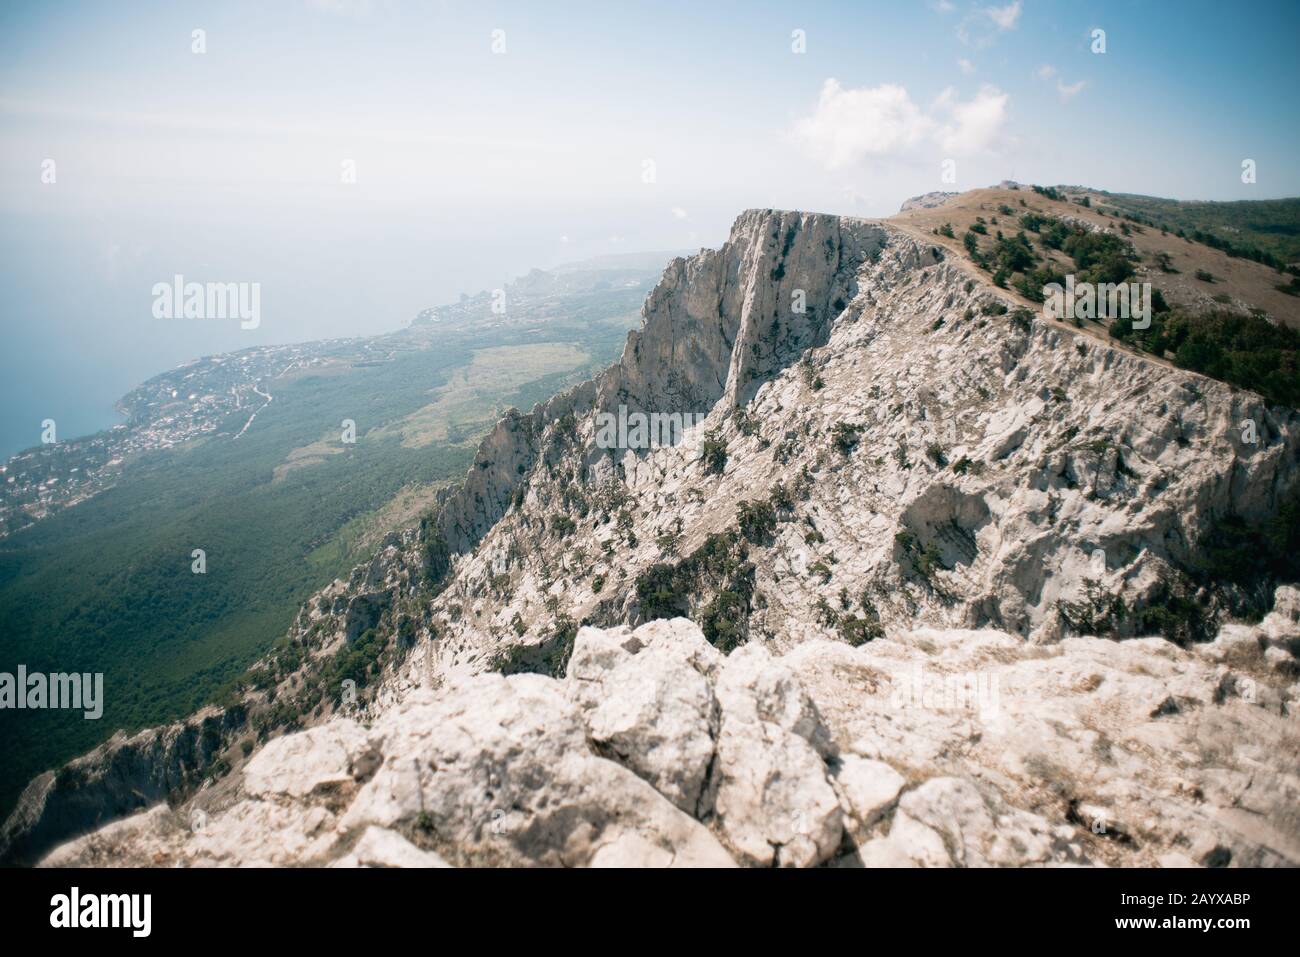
[(363, 159)]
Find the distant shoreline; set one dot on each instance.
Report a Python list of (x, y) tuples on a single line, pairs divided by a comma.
[(13, 442)]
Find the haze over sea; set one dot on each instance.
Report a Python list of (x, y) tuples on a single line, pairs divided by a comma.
[(473, 166)]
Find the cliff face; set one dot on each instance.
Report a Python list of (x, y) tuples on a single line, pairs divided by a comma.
[(717, 325), (908, 449), (722, 323), (119, 777), (897, 467)]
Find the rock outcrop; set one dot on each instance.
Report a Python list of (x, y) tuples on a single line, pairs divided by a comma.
[(926, 201), (928, 748)]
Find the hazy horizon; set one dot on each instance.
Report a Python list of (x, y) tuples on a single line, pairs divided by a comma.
[(471, 166), (95, 416)]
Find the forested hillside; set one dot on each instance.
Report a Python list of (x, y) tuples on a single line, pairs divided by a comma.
[(279, 508)]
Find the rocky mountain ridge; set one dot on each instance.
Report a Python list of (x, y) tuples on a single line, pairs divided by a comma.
[(907, 436), (896, 463)]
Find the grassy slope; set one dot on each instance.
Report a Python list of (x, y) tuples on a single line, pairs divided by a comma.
[(1248, 282), (1271, 224)]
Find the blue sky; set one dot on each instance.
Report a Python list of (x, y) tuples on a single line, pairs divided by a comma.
[(473, 166)]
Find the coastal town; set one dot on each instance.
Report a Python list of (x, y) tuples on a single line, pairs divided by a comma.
[(213, 396)]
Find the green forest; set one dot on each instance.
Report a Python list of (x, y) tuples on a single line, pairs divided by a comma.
[(107, 586), (1269, 226)]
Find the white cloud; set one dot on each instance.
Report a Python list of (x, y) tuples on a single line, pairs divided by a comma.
[(974, 126), (966, 66), (979, 27), (944, 6), (850, 126), (678, 212), (1067, 93), (1004, 17)]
